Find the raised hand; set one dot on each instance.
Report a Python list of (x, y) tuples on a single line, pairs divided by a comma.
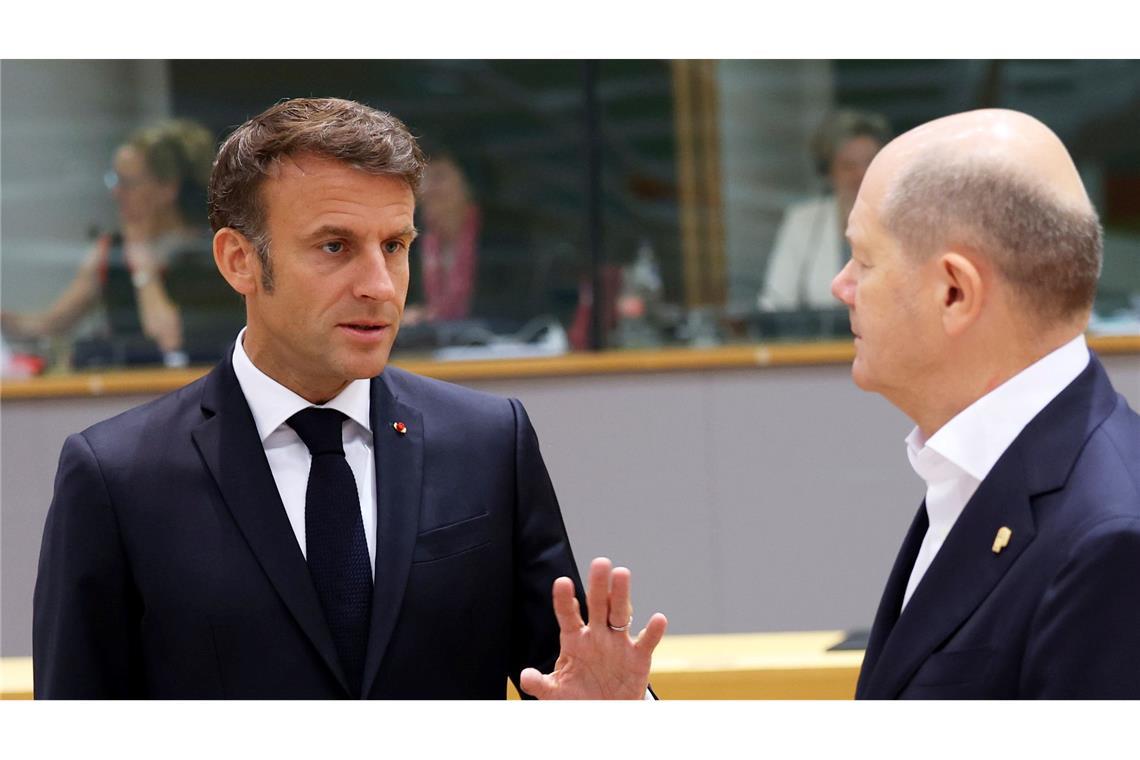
[(599, 660)]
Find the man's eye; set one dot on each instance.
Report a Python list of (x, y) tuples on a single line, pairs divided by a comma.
[(393, 246), (333, 246)]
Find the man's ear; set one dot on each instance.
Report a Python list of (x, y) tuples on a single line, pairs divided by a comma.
[(962, 291), (237, 260)]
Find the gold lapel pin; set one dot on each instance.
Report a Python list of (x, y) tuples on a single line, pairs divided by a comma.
[(1001, 540), (400, 428)]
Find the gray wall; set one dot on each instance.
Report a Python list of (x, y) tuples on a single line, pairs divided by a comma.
[(743, 500)]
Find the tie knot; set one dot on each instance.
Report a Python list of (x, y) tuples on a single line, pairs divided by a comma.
[(320, 429)]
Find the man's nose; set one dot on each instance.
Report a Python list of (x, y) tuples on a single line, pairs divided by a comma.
[(843, 286), (374, 278)]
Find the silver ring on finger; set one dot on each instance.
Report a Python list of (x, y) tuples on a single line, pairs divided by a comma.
[(620, 628)]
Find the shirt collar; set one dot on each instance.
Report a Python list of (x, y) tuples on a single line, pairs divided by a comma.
[(272, 403), (977, 436)]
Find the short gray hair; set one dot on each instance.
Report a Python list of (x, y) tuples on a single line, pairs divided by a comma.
[(1049, 251)]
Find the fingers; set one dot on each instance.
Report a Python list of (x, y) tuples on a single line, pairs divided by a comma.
[(621, 607), (566, 607), (598, 590), (651, 634), (535, 683)]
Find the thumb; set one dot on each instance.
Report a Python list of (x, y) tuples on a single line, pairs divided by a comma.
[(535, 683), (651, 635)]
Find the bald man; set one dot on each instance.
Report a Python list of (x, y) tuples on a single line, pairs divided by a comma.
[(975, 256)]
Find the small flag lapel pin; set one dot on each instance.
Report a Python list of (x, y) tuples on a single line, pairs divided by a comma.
[(400, 428), (1001, 540)]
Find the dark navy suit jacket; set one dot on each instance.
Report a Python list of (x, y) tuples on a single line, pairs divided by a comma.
[(169, 568), (1056, 614)]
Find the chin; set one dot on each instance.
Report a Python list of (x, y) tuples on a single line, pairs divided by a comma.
[(372, 368), (860, 377), (367, 366)]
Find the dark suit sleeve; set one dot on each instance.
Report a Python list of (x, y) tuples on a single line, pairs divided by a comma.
[(542, 553), (85, 617), (1084, 641)]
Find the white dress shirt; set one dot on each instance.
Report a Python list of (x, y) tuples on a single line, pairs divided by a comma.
[(957, 458), (289, 459)]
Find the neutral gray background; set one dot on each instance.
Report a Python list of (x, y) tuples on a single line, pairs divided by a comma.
[(743, 500)]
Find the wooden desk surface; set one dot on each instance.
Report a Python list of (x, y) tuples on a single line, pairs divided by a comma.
[(757, 355), (728, 666), (634, 361), (15, 677), (755, 666)]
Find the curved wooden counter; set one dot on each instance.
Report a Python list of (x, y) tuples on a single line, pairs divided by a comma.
[(15, 677), (144, 381), (718, 666)]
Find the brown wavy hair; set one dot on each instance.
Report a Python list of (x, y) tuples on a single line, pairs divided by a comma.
[(370, 140)]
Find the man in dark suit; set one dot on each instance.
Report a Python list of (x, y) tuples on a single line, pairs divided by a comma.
[(303, 521), (975, 256)]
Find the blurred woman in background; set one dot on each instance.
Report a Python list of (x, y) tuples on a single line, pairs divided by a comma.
[(810, 244), (449, 246), (135, 273)]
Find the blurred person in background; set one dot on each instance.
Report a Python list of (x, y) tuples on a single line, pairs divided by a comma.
[(810, 247), (449, 246), (153, 276)]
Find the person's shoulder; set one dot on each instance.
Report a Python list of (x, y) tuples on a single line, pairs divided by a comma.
[(1122, 428), (430, 393), (1121, 452), (1104, 483), (156, 419)]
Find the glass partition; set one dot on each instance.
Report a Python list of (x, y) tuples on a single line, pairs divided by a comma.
[(569, 205)]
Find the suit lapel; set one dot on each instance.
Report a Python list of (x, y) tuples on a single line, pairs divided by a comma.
[(231, 449), (891, 603), (965, 570), (962, 574), (399, 474)]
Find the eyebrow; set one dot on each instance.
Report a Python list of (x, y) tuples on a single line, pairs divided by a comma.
[(332, 230)]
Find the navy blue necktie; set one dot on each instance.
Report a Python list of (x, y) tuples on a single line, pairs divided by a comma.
[(334, 539)]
